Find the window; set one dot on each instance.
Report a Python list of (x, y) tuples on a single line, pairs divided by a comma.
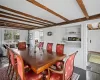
[(7, 34), (16, 36), (39, 35), (11, 35)]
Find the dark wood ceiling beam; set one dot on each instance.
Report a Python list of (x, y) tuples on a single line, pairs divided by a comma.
[(7, 21), (18, 25), (19, 19), (10, 27), (6, 25), (82, 6), (14, 25), (1, 20), (35, 22), (47, 9), (97, 16), (9, 17), (1, 24), (24, 14)]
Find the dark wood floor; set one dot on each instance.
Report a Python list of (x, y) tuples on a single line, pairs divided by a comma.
[(81, 72)]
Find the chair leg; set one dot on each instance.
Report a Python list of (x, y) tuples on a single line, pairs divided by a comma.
[(48, 75), (69, 79), (47, 78), (16, 75), (10, 68), (12, 73)]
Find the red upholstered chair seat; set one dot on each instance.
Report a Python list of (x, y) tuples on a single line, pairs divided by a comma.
[(59, 65), (55, 76), (32, 76)]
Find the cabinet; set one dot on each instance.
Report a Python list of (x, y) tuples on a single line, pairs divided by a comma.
[(94, 40), (72, 36), (93, 56)]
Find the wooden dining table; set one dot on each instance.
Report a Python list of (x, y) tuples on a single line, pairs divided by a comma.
[(37, 61)]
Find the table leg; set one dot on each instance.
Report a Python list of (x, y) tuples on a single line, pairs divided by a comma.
[(48, 74)]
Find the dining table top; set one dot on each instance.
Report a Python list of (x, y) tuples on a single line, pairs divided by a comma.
[(38, 61)]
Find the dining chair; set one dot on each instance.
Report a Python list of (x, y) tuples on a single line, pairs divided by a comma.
[(29, 75), (13, 64), (49, 47), (67, 71), (9, 62), (21, 45), (59, 51), (41, 44)]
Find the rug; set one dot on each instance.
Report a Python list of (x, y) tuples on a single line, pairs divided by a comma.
[(3, 74), (3, 62), (75, 76)]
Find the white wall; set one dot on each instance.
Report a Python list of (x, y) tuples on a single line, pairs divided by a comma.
[(23, 37), (81, 57), (58, 33)]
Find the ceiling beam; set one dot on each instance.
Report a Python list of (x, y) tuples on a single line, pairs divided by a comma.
[(33, 21), (82, 6), (13, 25), (47, 9), (13, 18), (35, 27), (19, 18), (8, 25), (97, 16), (25, 14)]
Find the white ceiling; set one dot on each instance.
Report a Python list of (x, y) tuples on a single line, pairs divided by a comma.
[(66, 8)]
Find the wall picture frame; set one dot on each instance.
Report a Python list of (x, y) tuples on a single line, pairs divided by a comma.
[(49, 33)]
